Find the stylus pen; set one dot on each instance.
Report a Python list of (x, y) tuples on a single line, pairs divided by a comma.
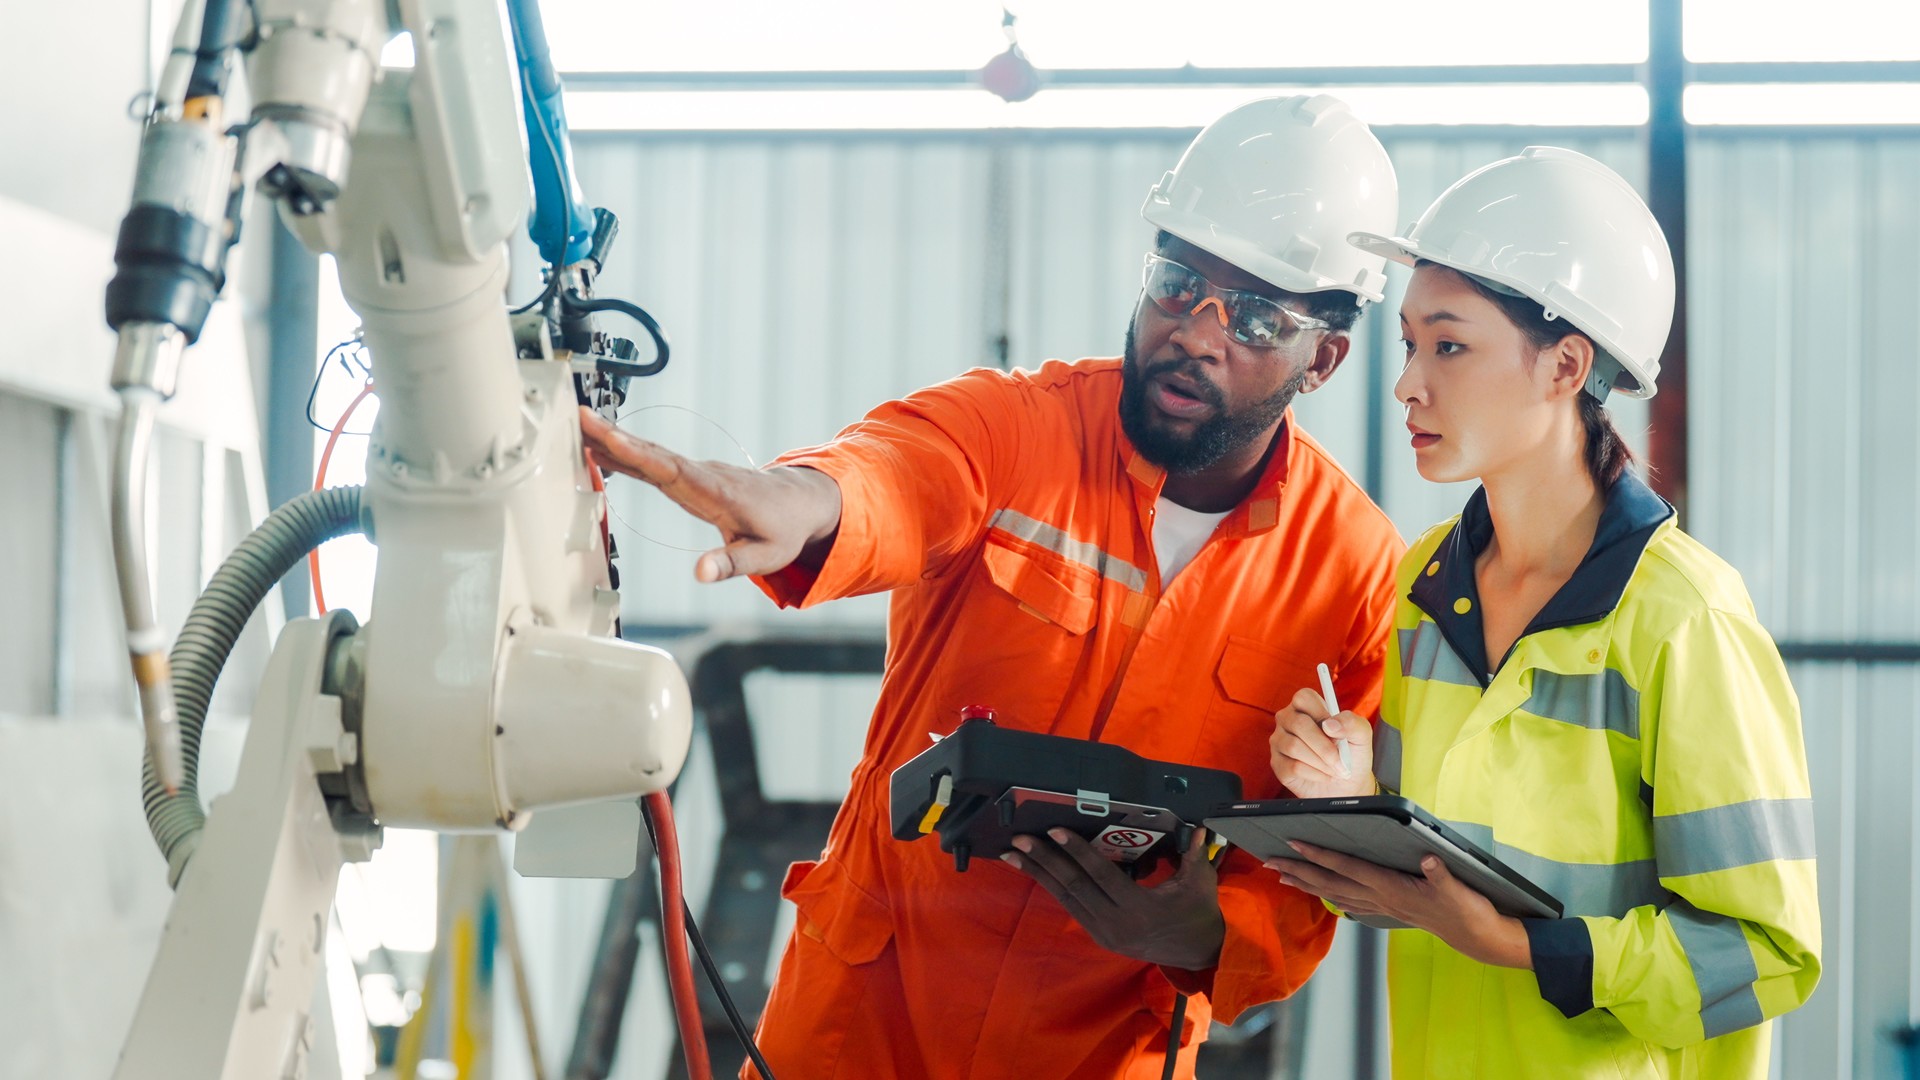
[(1333, 707)]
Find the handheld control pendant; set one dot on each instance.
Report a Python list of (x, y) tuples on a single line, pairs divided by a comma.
[(985, 784)]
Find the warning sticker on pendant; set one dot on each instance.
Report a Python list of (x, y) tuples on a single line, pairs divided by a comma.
[(1124, 843)]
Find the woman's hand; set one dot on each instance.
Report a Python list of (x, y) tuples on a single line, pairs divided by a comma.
[(1306, 757), (1434, 901)]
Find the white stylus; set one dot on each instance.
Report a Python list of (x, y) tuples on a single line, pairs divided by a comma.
[(1333, 708)]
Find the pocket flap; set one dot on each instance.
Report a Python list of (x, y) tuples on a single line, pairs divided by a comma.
[(1262, 675), (850, 922), (1069, 604)]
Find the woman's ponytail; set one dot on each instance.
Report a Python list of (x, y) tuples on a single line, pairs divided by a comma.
[(1607, 453)]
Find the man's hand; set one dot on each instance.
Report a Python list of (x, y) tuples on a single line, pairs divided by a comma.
[(769, 518), (1176, 923), (1434, 901), (1305, 757)]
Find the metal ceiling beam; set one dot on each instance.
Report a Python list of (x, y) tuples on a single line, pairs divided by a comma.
[(1885, 71)]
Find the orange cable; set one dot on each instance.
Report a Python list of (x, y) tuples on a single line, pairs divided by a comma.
[(320, 482), (673, 907)]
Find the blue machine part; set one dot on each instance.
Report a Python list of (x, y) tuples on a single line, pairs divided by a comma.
[(556, 194)]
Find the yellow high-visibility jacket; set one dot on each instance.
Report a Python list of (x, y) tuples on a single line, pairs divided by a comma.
[(1638, 754)]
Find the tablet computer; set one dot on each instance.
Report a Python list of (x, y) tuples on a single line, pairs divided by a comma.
[(1385, 829)]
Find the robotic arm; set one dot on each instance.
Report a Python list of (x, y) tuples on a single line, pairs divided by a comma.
[(490, 681)]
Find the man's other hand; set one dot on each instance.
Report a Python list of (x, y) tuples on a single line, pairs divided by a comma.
[(1176, 923), (768, 518)]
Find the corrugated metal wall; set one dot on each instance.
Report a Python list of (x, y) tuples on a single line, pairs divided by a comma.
[(1805, 393), (806, 279)]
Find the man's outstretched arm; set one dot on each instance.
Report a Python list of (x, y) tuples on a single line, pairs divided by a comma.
[(889, 501)]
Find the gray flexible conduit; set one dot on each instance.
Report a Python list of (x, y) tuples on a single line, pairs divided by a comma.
[(298, 526)]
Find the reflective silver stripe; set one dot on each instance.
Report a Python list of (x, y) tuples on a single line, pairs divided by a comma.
[(1723, 968), (1739, 834), (1386, 755), (1599, 889), (1020, 526), (1425, 654), (1601, 701)]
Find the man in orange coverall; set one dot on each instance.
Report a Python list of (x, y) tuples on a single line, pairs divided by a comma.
[(1030, 526)]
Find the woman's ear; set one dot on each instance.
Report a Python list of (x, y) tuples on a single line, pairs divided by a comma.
[(1572, 360)]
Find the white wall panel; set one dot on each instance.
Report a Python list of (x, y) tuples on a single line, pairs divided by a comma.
[(30, 537), (84, 894)]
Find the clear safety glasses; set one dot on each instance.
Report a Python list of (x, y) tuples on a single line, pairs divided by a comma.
[(1250, 318)]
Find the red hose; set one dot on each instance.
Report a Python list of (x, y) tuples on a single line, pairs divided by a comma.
[(320, 481), (686, 1003), (673, 905)]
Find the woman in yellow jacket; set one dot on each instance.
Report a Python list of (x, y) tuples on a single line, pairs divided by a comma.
[(1574, 683)]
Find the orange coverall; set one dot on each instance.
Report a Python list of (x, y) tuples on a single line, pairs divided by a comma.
[(1012, 520)]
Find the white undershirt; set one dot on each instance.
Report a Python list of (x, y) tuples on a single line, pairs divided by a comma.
[(1178, 535)]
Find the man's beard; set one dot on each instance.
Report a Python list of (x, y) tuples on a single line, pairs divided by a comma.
[(1213, 438)]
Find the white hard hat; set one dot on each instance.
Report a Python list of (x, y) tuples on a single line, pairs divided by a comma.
[(1275, 186), (1565, 231)]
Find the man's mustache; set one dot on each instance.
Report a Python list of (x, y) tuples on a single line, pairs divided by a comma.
[(1188, 366)]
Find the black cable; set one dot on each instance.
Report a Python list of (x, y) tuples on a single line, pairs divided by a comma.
[(542, 295), (573, 301), (740, 1031), (313, 392), (1173, 1037), (726, 1000)]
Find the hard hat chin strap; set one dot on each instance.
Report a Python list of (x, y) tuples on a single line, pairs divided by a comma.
[(1606, 371)]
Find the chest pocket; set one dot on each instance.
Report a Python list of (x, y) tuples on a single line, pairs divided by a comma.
[(1014, 640), (1252, 681), (1053, 593)]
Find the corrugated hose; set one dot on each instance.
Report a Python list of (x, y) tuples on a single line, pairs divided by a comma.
[(220, 614)]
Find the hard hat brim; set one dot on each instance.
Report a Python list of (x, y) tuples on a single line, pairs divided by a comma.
[(1203, 234), (1392, 248), (1407, 252)]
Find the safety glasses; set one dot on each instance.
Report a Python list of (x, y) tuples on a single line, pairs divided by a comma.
[(1250, 318)]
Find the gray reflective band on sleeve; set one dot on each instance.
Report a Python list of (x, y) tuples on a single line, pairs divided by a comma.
[(1022, 527), (1599, 889), (1425, 654), (1739, 834), (1386, 754), (1601, 701), (1722, 965)]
